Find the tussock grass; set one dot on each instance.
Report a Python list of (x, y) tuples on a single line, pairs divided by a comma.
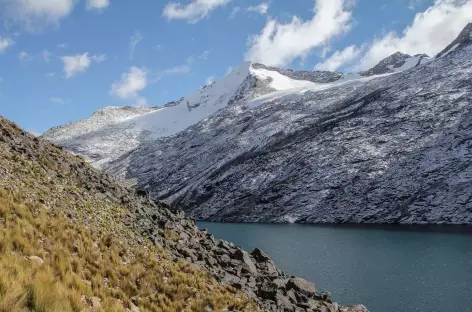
[(80, 261)]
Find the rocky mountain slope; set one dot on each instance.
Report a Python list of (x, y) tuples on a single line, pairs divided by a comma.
[(73, 239), (332, 148)]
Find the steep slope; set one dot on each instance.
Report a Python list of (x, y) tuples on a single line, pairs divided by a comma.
[(392, 149), (72, 239)]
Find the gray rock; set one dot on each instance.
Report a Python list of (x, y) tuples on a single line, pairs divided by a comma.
[(301, 285), (259, 255), (243, 256)]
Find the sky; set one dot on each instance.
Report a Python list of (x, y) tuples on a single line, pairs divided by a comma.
[(61, 60)]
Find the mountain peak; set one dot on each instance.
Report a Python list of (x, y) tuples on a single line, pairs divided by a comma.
[(388, 64), (463, 39)]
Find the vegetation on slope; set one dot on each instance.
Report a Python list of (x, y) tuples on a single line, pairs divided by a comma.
[(66, 243)]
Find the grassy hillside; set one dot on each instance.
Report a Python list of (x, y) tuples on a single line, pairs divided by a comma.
[(67, 242)]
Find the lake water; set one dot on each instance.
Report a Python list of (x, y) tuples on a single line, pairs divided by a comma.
[(389, 269)]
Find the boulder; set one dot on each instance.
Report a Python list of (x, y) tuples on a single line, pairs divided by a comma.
[(301, 285), (243, 256), (260, 256)]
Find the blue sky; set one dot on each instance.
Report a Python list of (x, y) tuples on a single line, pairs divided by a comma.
[(61, 60)]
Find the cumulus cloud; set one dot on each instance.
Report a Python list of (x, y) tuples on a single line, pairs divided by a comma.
[(97, 4), (430, 32), (279, 44), (261, 8), (339, 58), (5, 43), (192, 12), (135, 39), (130, 84), (78, 63), (36, 14)]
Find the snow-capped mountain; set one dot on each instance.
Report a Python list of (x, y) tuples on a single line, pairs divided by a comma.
[(114, 131), (392, 144)]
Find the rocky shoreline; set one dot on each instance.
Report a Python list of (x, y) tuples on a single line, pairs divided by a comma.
[(253, 273)]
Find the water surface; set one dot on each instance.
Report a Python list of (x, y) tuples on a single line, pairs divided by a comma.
[(389, 269)]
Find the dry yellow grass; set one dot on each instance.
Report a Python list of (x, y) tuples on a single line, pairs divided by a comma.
[(80, 261)]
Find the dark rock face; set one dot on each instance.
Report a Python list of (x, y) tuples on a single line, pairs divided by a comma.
[(313, 76), (387, 65), (393, 150)]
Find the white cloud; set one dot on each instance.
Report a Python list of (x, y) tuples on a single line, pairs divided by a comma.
[(62, 46), (78, 63), (75, 64), (36, 14), (24, 56), (130, 84), (97, 4), (135, 39), (339, 58), (279, 44), (192, 12), (46, 55), (261, 8), (210, 80), (58, 100), (430, 32), (234, 11), (5, 43)]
